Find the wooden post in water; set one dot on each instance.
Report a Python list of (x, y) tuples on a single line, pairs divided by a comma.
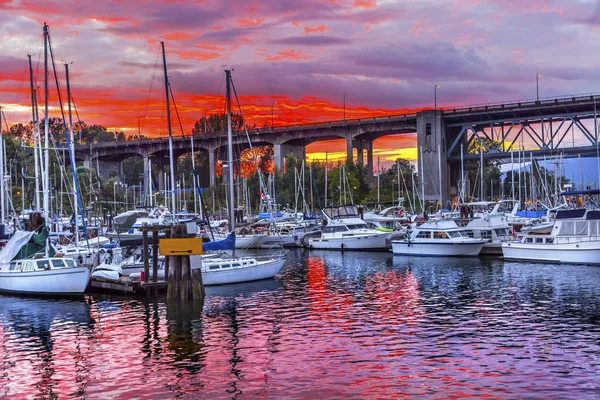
[(154, 255), (145, 250), (168, 236), (183, 282)]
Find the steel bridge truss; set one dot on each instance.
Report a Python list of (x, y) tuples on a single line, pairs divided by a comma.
[(547, 134)]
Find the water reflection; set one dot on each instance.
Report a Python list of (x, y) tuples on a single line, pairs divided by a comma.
[(35, 347), (332, 325)]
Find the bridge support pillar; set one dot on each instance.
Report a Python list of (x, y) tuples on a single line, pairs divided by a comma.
[(359, 146), (212, 166), (282, 150), (106, 169), (349, 147), (431, 145), (369, 147), (160, 172)]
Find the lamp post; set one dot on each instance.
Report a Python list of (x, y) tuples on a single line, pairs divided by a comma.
[(140, 127), (537, 87), (272, 117), (435, 96), (345, 108)]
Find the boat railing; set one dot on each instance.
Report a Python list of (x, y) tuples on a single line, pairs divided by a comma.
[(280, 254), (576, 239)]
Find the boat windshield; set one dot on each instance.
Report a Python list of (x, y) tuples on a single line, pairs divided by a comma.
[(454, 234)]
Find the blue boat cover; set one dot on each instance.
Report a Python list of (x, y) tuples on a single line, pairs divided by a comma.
[(226, 244)]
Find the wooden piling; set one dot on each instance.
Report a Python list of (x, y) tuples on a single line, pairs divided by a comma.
[(183, 282), (154, 256), (145, 251)]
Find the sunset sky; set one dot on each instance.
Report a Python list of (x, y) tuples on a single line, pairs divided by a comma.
[(386, 55)]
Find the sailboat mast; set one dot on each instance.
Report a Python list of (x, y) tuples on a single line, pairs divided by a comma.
[(1, 171), (171, 159), (72, 160), (230, 151), (35, 136), (46, 186)]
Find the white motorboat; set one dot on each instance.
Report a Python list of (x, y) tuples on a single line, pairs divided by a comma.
[(344, 230), (494, 229), (438, 238), (224, 270), (575, 238), (39, 276)]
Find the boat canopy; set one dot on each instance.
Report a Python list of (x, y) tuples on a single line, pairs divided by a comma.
[(14, 245)]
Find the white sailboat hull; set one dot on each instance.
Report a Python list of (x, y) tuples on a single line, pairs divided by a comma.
[(583, 252), (356, 242), (438, 248), (64, 281), (262, 270)]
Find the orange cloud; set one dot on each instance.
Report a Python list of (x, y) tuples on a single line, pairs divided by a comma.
[(249, 22), (178, 36), (320, 28), (365, 3), (196, 55), (291, 54)]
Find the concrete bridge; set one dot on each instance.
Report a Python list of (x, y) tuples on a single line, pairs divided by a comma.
[(544, 125)]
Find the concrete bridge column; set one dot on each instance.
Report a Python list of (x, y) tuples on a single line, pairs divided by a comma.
[(282, 150), (432, 148), (349, 147), (369, 147), (212, 166), (358, 144), (160, 172)]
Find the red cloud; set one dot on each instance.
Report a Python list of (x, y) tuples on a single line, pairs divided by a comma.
[(365, 3), (320, 28), (249, 22), (293, 55)]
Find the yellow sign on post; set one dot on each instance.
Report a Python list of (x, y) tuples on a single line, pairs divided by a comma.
[(180, 247)]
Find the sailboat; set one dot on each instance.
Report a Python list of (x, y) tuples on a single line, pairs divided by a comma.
[(27, 263), (218, 269)]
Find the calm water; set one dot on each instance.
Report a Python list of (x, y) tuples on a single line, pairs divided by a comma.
[(332, 325)]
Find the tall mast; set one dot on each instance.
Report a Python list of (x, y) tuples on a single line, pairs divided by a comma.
[(2, 188), (46, 186), (171, 159), (35, 136), (229, 150), (76, 197)]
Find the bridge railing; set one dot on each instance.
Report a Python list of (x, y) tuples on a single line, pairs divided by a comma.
[(542, 102)]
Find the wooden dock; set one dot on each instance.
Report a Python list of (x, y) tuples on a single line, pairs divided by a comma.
[(127, 286)]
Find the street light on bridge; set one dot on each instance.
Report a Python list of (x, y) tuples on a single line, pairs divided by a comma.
[(537, 87), (139, 126), (345, 94)]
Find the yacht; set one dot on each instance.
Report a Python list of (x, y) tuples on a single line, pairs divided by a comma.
[(494, 229), (344, 230), (575, 238), (438, 238), (24, 269)]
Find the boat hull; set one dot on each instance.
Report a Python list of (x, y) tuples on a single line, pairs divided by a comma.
[(263, 270), (63, 282), (491, 249), (577, 253), (375, 242), (443, 249)]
